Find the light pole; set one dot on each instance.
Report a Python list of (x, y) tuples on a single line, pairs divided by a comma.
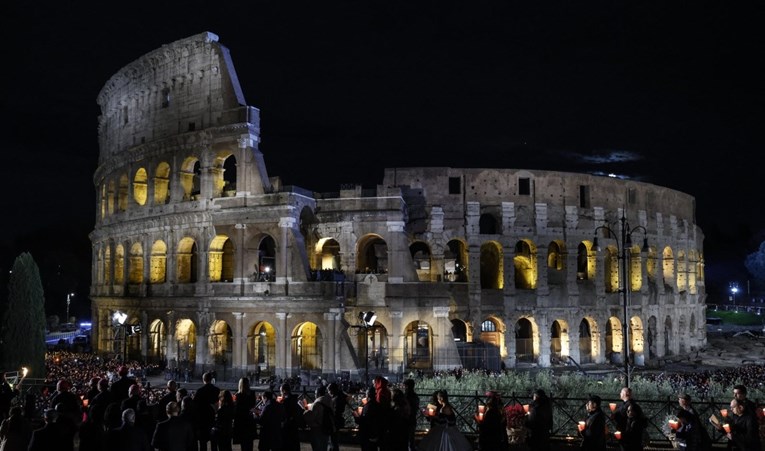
[(733, 291), (69, 297), (118, 319), (624, 244), (367, 320)]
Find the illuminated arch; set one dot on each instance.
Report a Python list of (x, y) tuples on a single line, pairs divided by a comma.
[(261, 346), (650, 265), (135, 273), (327, 252), (556, 255), (162, 184), (190, 174), (420, 253), (140, 186), (456, 261), (614, 340), (157, 342), (526, 341), (110, 194), (611, 269), (158, 262), (187, 261), (418, 351), (637, 337), (585, 261), (525, 264), (682, 272), (559, 340), (492, 268), (493, 332), (186, 343), (669, 268), (372, 255), (220, 342), (376, 346), (107, 264), (306, 344), (635, 268), (119, 264), (588, 340), (221, 259), (224, 174)]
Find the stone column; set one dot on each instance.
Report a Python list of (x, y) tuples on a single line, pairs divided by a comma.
[(240, 274), (445, 355), (281, 366), (396, 343), (238, 364), (543, 338), (399, 268), (573, 342), (330, 364), (283, 257), (170, 345), (144, 335), (202, 351)]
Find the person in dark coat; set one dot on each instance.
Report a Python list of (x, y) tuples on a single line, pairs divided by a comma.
[(339, 404), (97, 405), (167, 398), (492, 428), (127, 437), (205, 405), (174, 433), (244, 422), (15, 431), (744, 432), (539, 421), (223, 426), (620, 414), (632, 434), (67, 403), (270, 421), (414, 408), (688, 434), (119, 388), (369, 421), (594, 433), (293, 419), (49, 437)]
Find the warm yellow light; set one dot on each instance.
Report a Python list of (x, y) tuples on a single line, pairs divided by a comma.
[(24, 372)]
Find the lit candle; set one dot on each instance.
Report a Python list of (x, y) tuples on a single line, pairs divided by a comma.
[(724, 412), (480, 416), (431, 411), (85, 402), (581, 426), (618, 435), (673, 424), (526, 408), (279, 398), (481, 408), (360, 409), (364, 401), (612, 406), (726, 426)]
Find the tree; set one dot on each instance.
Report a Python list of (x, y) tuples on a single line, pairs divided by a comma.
[(22, 334)]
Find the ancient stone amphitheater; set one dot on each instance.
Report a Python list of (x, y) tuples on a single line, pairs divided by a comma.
[(225, 268)]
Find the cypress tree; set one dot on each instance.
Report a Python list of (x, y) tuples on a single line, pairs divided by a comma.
[(22, 335)]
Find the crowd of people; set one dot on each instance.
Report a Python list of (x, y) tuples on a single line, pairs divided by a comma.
[(106, 404)]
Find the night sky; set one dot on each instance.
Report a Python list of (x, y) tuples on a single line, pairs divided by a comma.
[(665, 92)]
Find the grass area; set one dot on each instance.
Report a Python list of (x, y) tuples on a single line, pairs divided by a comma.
[(737, 319)]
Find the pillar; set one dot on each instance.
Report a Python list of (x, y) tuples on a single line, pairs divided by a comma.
[(238, 364), (282, 345)]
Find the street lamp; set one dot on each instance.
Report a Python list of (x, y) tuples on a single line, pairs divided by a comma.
[(624, 244), (367, 320), (733, 291), (118, 319), (69, 297)]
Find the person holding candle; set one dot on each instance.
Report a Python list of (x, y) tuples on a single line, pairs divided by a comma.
[(744, 432), (634, 428), (492, 433), (684, 400), (414, 406), (539, 421), (369, 421), (689, 432), (620, 415), (444, 433), (594, 431)]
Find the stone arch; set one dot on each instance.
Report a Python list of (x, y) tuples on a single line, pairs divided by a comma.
[(492, 270), (122, 196), (588, 340), (682, 272), (556, 262), (220, 342), (135, 270), (525, 265), (669, 268), (140, 186), (611, 269), (110, 194), (261, 347), (418, 351), (559, 340), (637, 341), (158, 262), (668, 335), (119, 264), (635, 267), (372, 254), (488, 224), (526, 341), (306, 346), (157, 342), (162, 183), (327, 253), (493, 332), (459, 330), (187, 261), (224, 174), (585, 261), (614, 340), (650, 265), (651, 337), (693, 271), (190, 174), (186, 343), (456, 261), (103, 203), (372, 344), (420, 252), (221, 259), (107, 264), (267, 257)]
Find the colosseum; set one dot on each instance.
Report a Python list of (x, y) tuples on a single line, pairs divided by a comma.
[(203, 261)]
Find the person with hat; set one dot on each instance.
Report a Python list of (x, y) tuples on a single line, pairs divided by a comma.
[(594, 432), (539, 421)]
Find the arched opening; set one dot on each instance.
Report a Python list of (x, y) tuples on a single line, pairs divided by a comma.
[(135, 275), (119, 265), (110, 194), (459, 330), (669, 269), (614, 340), (220, 343), (221, 259), (375, 349), (636, 274), (224, 175), (306, 347), (140, 186), (492, 274), (267, 259), (524, 341), (187, 261), (158, 262), (186, 344), (157, 342), (585, 342), (559, 341), (372, 255), (668, 336), (261, 347), (455, 261), (650, 265), (328, 254), (556, 263), (122, 196), (162, 184), (682, 272), (637, 341), (190, 174), (492, 332), (525, 263), (417, 346), (651, 338), (420, 253), (585, 261), (487, 224)]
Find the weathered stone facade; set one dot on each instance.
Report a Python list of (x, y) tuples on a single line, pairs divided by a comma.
[(226, 268)]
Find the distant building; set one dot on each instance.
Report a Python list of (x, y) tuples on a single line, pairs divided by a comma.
[(224, 267)]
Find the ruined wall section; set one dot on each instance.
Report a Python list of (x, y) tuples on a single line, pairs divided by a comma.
[(182, 87)]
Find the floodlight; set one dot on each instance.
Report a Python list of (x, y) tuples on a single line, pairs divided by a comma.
[(119, 317), (368, 318)]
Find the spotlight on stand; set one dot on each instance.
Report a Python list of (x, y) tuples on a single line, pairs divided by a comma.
[(367, 318)]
